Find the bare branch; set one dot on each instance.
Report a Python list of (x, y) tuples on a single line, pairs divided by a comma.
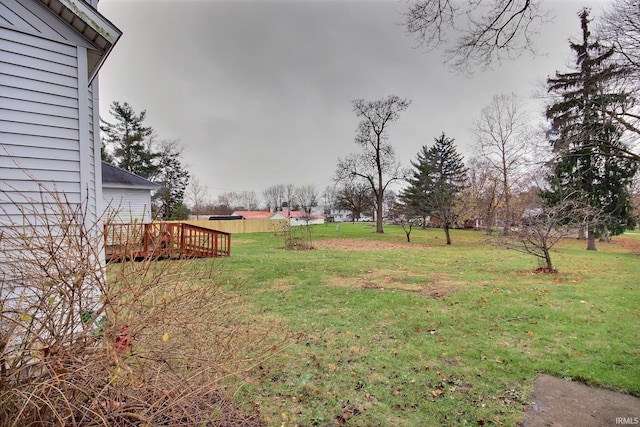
[(477, 33)]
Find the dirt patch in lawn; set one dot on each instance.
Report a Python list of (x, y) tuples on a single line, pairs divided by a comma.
[(363, 245), (629, 243), (434, 286), (558, 402)]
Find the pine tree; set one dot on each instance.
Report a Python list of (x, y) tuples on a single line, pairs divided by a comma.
[(127, 142), (415, 197), (174, 179), (438, 179), (585, 139)]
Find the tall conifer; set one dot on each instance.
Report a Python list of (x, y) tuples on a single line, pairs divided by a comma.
[(127, 142), (439, 177), (585, 138)]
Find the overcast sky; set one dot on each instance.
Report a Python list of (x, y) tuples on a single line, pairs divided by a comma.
[(259, 92)]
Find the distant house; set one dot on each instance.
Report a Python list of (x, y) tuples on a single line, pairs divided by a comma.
[(340, 215), (49, 121), (126, 196), (343, 215), (299, 217), (295, 217)]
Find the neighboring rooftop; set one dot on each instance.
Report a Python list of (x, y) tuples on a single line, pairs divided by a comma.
[(254, 214), (114, 177)]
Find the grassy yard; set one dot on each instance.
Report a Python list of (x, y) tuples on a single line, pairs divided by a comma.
[(391, 333)]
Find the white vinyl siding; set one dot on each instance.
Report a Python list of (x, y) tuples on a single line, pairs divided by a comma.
[(39, 121), (48, 126), (127, 205), (93, 149), (49, 118)]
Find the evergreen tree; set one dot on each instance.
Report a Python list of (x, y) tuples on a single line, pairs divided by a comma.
[(127, 142), (438, 179), (415, 198), (180, 212), (585, 139), (174, 179)]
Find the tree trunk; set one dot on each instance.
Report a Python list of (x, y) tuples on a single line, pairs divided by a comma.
[(446, 233), (507, 203), (379, 205), (379, 217), (407, 231), (547, 258), (591, 240), (490, 220), (581, 233)]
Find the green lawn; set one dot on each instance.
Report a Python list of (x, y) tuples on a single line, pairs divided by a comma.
[(430, 334)]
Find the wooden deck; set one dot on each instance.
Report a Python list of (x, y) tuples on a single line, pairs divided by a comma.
[(164, 240)]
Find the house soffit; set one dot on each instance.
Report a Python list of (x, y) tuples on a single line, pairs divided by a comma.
[(89, 23)]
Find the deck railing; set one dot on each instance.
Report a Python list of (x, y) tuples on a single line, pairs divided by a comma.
[(164, 239)]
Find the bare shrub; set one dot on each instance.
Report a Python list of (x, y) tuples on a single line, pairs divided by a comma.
[(155, 344), (297, 238), (541, 228)]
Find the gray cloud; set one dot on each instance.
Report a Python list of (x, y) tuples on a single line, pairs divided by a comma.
[(259, 92)]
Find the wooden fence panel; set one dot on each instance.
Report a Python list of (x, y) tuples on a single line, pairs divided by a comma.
[(240, 226)]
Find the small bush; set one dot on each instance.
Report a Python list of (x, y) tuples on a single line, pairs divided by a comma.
[(297, 238)]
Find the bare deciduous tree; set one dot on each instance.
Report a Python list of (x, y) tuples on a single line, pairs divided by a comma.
[(274, 196), (402, 215), (620, 26), (198, 195), (482, 196), (356, 197), (289, 196), (476, 33), (503, 139), (330, 196), (306, 196), (243, 200), (376, 164), (542, 227)]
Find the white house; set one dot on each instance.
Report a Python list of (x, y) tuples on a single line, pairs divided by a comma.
[(343, 215), (340, 215), (49, 122), (299, 217), (126, 196), (295, 217)]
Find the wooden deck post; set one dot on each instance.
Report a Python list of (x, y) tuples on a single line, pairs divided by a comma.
[(182, 240)]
